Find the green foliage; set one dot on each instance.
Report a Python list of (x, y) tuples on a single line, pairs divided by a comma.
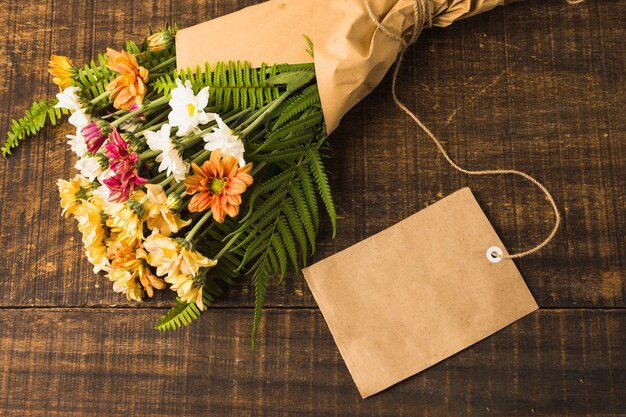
[(281, 221), (32, 122), (182, 313), (92, 79), (232, 86), (160, 61), (281, 214)]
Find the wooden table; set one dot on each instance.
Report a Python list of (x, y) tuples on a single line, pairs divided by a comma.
[(537, 86)]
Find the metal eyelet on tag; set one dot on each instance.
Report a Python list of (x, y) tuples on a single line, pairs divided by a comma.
[(494, 254)]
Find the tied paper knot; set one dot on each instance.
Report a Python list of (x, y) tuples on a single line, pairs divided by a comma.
[(422, 19)]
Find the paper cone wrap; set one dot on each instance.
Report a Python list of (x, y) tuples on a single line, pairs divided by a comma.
[(351, 55)]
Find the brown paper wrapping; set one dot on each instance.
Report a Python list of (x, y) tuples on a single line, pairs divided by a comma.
[(351, 55)]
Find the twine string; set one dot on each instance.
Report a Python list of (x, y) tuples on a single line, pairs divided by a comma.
[(423, 19)]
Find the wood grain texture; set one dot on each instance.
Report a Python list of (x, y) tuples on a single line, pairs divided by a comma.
[(536, 86), (53, 363)]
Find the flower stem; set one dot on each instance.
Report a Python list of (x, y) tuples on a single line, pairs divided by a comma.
[(201, 156), (100, 97), (261, 118), (165, 182), (149, 106), (152, 128), (158, 178), (258, 168), (148, 155), (176, 189), (163, 64), (227, 246), (198, 225)]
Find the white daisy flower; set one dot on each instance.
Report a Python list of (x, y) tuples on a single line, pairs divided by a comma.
[(222, 138), (169, 158), (188, 109), (77, 143), (89, 167), (68, 99), (79, 119)]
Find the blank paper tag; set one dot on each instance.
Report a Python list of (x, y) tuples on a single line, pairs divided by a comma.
[(417, 292)]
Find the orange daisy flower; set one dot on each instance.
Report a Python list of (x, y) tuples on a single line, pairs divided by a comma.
[(60, 67), (218, 184), (128, 88)]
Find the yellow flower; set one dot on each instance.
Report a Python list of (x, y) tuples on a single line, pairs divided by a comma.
[(90, 224), (125, 283), (130, 273), (191, 261), (179, 263), (171, 258), (72, 193), (162, 253), (60, 68), (97, 256), (186, 289), (158, 212), (125, 224)]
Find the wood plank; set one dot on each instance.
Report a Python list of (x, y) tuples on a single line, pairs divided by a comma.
[(535, 86), (62, 362)]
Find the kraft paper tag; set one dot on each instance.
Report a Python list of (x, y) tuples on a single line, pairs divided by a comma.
[(417, 292)]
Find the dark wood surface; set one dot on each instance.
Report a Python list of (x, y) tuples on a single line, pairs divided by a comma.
[(537, 86)]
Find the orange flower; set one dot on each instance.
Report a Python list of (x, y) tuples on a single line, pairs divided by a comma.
[(60, 68), (129, 87), (219, 183)]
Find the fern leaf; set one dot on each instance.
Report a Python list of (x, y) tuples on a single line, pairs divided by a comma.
[(319, 174), (261, 279), (182, 313), (304, 214), (281, 254), (33, 121), (232, 86), (289, 242), (309, 194)]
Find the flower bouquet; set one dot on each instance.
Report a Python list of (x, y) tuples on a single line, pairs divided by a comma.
[(196, 165)]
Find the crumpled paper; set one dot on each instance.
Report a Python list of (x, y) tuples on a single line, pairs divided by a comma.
[(351, 55)]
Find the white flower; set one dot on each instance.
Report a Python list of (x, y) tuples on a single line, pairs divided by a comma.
[(68, 99), (89, 167), (222, 138), (103, 191), (77, 143), (188, 109), (169, 158), (79, 119)]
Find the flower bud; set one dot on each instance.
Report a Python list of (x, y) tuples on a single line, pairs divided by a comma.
[(160, 41), (61, 69), (94, 136), (174, 201)]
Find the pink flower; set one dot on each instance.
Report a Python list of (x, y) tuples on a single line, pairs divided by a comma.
[(124, 164), (123, 187), (121, 160), (94, 137)]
